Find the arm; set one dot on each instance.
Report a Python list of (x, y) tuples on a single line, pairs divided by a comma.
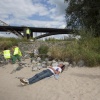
[(56, 72)]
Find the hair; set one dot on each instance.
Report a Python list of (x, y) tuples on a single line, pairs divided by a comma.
[(16, 45), (5, 48), (63, 67)]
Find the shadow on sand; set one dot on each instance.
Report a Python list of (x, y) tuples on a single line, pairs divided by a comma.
[(85, 75)]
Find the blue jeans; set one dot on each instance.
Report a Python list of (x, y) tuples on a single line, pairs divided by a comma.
[(39, 76)]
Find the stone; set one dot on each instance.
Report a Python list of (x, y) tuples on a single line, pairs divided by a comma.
[(46, 59), (60, 62), (34, 68), (70, 65), (39, 67), (49, 63), (44, 64), (74, 64), (53, 61), (55, 64), (81, 63), (31, 40), (38, 59), (38, 64), (34, 62), (66, 63)]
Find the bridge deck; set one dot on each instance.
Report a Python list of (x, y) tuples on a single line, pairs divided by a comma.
[(48, 31)]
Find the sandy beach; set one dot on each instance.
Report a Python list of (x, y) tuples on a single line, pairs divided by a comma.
[(73, 84)]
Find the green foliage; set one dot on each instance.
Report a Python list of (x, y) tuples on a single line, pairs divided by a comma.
[(86, 48), (43, 49), (53, 40), (9, 42), (57, 52), (90, 57), (84, 13)]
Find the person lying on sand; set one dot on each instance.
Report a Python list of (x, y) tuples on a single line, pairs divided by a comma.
[(45, 73)]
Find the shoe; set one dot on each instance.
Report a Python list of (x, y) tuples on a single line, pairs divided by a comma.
[(24, 81)]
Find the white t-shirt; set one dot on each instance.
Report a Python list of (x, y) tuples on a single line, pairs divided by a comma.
[(56, 68)]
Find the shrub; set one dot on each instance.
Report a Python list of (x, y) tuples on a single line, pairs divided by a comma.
[(90, 57), (43, 49), (57, 52), (87, 50), (9, 42)]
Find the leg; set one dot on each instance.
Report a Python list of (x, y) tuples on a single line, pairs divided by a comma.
[(27, 36), (39, 76), (18, 57), (14, 59)]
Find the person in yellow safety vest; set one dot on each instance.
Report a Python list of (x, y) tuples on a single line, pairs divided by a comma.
[(6, 53), (28, 33), (16, 54)]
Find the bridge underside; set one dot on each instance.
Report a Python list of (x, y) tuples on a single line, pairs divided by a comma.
[(48, 31), (49, 34)]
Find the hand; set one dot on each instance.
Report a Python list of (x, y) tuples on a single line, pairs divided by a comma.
[(56, 72)]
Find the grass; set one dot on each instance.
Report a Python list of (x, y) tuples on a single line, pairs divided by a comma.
[(9, 42), (86, 48)]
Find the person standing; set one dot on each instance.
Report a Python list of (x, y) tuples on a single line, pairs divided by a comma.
[(28, 31)]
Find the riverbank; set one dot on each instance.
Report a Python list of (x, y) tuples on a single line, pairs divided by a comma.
[(74, 84)]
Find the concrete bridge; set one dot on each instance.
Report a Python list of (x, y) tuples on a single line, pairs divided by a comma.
[(17, 30)]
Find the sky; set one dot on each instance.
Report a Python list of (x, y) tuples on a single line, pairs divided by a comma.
[(34, 13)]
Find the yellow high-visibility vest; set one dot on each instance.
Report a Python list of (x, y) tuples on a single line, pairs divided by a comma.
[(27, 31), (17, 51), (6, 54)]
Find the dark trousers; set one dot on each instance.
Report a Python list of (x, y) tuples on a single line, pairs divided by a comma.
[(28, 36), (40, 76), (15, 57)]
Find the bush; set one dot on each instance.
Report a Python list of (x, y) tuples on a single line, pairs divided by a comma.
[(57, 52), (9, 42), (90, 57), (87, 50), (43, 49)]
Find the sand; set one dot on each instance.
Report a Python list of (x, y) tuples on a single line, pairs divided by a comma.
[(73, 84)]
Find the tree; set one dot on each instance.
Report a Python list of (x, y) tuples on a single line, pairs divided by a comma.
[(84, 14)]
